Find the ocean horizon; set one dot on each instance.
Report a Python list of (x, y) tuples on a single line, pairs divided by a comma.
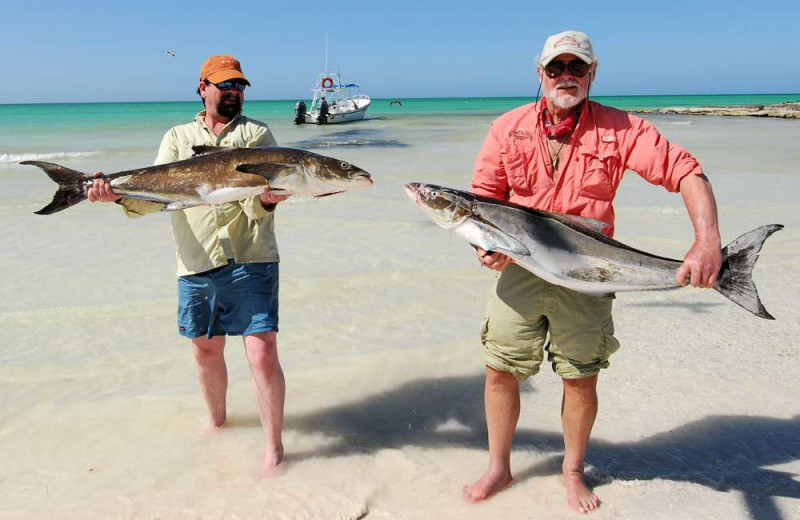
[(624, 102), (128, 132)]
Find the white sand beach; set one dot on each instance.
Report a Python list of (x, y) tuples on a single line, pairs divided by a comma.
[(100, 413)]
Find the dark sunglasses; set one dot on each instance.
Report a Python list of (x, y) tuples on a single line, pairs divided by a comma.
[(577, 68), (227, 85)]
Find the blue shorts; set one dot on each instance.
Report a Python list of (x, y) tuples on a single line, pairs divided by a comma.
[(234, 300)]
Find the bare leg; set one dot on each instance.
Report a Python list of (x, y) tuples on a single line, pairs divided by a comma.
[(213, 376), (269, 389), (501, 397), (578, 411)]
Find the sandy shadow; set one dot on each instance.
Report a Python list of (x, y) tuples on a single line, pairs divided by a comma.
[(725, 453), (721, 452), (408, 415)]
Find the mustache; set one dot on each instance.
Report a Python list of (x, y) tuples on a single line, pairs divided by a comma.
[(567, 83)]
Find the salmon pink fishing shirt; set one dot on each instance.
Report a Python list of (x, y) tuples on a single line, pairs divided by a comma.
[(514, 163)]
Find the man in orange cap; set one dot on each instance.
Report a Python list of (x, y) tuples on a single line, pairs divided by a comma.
[(225, 73), (227, 257)]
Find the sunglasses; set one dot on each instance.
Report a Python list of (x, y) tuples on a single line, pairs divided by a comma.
[(227, 85), (577, 68)]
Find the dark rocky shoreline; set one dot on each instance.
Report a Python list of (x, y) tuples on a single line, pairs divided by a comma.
[(789, 110)]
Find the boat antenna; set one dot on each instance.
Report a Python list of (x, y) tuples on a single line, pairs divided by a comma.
[(326, 52)]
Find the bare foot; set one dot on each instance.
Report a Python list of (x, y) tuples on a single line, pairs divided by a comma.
[(210, 429), (490, 483), (272, 471), (272, 465), (579, 497)]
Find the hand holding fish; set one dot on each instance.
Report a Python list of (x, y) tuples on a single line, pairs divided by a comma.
[(701, 265), (271, 197), (493, 260), (101, 191)]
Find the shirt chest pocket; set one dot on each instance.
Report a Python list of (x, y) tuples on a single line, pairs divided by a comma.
[(600, 177), (237, 142), (519, 159)]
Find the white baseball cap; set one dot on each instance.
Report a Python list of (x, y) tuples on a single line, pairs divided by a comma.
[(568, 42)]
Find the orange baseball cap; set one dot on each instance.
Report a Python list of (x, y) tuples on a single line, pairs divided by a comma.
[(222, 67)]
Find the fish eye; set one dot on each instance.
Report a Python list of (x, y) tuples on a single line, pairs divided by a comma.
[(343, 165)]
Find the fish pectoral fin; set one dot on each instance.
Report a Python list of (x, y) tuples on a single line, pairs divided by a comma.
[(180, 204), (327, 194), (120, 180), (270, 170), (492, 238), (204, 149)]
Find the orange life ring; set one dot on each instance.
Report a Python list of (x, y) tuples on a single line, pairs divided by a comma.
[(327, 82)]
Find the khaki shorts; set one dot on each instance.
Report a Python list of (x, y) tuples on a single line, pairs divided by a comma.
[(526, 316)]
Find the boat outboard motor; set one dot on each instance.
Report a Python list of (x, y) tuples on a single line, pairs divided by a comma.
[(322, 115), (299, 113)]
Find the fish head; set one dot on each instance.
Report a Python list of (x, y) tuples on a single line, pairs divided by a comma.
[(335, 175), (447, 207)]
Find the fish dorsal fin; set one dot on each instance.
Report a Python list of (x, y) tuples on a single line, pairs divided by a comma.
[(270, 170), (204, 149), (492, 238), (584, 222)]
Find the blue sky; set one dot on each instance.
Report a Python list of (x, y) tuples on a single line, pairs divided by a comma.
[(86, 51)]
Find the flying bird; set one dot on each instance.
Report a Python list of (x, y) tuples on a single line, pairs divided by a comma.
[(169, 53)]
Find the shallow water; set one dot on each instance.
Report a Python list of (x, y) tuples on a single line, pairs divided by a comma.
[(380, 309)]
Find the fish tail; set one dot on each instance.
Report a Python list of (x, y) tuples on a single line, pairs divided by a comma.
[(71, 186), (735, 279)]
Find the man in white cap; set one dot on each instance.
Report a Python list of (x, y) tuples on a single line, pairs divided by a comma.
[(567, 154), (227, 257)]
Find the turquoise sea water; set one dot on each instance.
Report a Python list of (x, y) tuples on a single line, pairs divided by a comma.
[(58, 131)]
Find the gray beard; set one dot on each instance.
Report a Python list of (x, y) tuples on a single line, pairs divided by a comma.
[(565, 102)]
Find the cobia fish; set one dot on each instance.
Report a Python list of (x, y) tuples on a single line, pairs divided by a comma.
[(214, 175), (571, 251)]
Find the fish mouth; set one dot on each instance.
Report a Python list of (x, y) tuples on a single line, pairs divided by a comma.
[(412, 190)]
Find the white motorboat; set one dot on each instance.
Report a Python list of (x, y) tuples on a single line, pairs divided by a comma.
[(333, 101), (344, 102)]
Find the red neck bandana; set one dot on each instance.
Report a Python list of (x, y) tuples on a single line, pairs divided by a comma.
[(561, 129)]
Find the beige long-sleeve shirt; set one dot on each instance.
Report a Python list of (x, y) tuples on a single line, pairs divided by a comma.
[(206, 236)]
